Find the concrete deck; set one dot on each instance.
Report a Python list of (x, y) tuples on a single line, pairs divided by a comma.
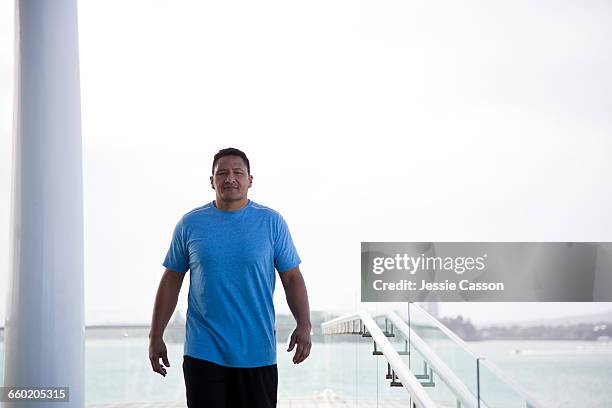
[(282, 403)]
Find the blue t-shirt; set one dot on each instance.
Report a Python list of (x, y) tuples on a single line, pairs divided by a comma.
[(232, 256)]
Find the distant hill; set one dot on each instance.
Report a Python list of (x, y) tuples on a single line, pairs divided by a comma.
[(585, 328), (560, 321)]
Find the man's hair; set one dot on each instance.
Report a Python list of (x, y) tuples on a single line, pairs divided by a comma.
[(230, 151)]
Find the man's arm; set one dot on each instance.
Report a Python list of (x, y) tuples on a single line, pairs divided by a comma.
[(297, 299), (165, 302)]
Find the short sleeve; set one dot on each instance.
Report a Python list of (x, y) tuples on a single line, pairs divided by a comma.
[(285, 254), (177, 258)]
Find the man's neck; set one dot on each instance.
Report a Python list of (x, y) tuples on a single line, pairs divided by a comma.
[(231, 205)]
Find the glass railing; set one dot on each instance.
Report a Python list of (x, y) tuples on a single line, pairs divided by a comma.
[(458, 358), (494, 392), (340, 369), (343, 368), (389, 389), (484, 380), (379, 369), (451, 374), (355, 376), (437, 388), (317, 377), (118, 371)]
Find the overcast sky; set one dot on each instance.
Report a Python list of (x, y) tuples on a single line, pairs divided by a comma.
[(364, 121)]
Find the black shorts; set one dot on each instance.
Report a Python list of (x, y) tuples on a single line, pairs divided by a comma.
[(210, 385)]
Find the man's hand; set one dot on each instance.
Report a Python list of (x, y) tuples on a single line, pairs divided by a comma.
[(165, 302), (157, 350), (297, 298), (301, 337)]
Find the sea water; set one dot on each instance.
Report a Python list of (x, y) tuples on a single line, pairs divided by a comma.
[(562, 373)]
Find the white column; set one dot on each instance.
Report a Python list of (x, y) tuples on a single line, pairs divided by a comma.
[(45, 330)]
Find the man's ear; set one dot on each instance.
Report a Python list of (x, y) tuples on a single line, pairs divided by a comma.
[(211, 182), (250, 181)]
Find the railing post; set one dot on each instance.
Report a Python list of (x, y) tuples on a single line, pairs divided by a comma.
[(478, 379)]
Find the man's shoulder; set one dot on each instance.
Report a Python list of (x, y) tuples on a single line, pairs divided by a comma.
[(196, 212), (263, 210)]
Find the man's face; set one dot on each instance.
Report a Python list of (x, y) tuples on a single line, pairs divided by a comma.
[(231, 179)]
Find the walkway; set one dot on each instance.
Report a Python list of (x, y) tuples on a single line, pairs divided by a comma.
[(283, 403)]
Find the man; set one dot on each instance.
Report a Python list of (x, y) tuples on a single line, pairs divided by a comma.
[(231, 246)]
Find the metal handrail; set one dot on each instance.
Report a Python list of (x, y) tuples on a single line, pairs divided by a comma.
[(456, 339), (409, 381), (453, 382), (532, 402)]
